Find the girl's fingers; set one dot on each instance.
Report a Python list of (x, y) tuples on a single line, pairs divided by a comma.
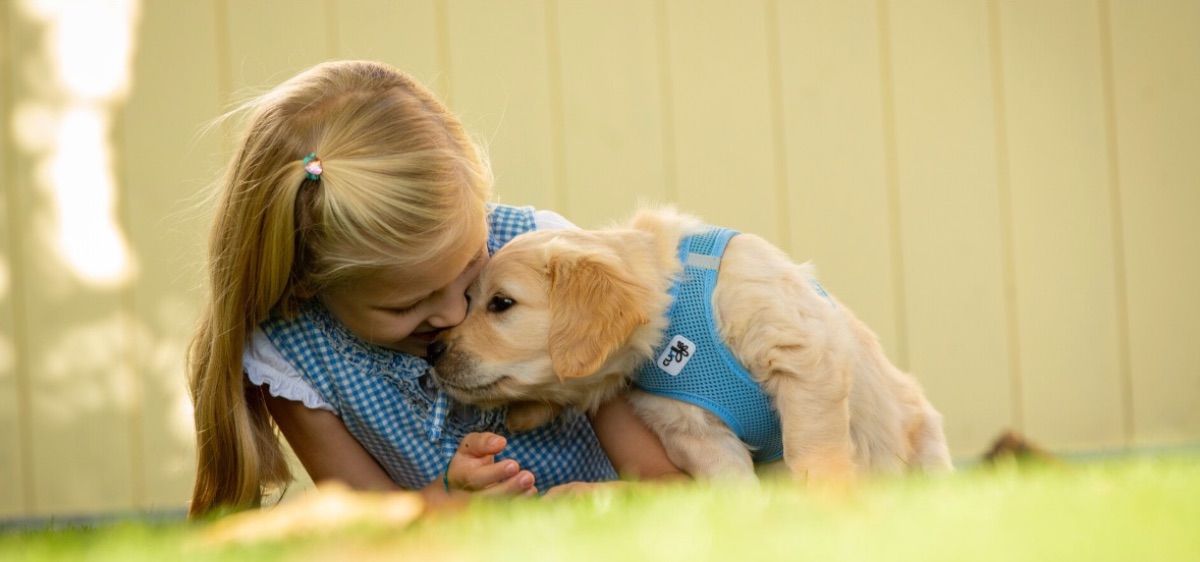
[(473, 467), (578, 488), (487, 475), (481, 445), (520, 483)]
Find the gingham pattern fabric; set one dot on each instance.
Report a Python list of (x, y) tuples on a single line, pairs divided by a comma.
[(388, 401), (710, 377)]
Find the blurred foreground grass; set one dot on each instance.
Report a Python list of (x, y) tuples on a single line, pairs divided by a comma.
[(1134, 509)]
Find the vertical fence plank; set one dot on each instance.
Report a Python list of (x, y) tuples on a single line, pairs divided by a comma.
[(168, 166), (835, 154), (403, 34), (950, 221), (721, 102), (1155, 62), (75, 343), (13, 476), (612, 109), (1066, 305), (500, 86)]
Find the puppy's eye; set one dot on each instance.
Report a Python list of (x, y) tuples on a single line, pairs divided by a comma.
[(500, 303)]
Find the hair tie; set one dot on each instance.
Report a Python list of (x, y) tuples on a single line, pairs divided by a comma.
[(312, 165)]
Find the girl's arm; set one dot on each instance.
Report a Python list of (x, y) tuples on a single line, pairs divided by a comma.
[(329, 452), (325, 447), (632, 448)]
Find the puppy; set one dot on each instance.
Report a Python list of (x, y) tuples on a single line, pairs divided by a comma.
[(734, 357)]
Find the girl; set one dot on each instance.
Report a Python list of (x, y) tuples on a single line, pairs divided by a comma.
[(350, 223)]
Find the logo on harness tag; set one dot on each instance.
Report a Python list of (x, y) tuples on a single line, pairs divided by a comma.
[(676, 355)]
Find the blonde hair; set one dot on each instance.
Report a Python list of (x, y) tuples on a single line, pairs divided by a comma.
[(402, 183)]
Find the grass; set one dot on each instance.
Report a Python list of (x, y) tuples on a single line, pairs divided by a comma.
[(1132, 509)]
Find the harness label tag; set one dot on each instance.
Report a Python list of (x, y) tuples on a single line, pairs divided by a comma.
[(678, 352)]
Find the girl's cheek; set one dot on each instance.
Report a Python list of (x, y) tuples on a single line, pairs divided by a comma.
[(396, 328), (381, 330)]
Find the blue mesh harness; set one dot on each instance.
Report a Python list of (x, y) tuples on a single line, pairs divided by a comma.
[(695, 366)]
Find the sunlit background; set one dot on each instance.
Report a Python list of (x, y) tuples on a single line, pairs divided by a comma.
[(88, 54), (1005, 190)]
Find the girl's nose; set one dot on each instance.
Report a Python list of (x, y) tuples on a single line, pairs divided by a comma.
[(450, 311)]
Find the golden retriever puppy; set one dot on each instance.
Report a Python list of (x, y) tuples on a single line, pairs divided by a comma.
[(733, 357)]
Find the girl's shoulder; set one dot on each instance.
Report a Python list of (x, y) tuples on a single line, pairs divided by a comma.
[(506, 222), (264, 364), (524, 218)]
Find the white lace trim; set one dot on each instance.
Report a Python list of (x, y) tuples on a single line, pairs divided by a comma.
[(264, 364)]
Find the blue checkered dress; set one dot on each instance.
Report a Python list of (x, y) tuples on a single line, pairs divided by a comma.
[(392, 406)]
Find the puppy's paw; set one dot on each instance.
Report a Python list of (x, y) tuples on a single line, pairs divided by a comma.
[(840, 471), (831, 470), (831, 481), (524, 416)]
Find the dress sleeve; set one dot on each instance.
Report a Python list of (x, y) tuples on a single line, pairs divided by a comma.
[(265, 365), (550, 220)]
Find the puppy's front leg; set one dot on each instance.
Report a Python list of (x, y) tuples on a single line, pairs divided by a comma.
[(791, 338), (813, 399), (695, 440)]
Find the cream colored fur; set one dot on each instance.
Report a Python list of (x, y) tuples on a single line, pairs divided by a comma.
[(588, 308)]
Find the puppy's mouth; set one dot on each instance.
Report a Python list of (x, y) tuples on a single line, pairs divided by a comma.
[(473, 393)]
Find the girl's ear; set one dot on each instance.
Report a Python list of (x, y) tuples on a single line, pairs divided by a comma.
[(304, 291), (594, 309)]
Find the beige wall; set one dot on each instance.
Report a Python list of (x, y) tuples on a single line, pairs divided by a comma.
[(1007, 191)]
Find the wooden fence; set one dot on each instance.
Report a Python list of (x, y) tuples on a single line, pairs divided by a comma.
[(1007, 191)]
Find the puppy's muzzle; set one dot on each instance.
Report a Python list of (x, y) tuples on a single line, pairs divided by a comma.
[(435, 351), (450, 365)]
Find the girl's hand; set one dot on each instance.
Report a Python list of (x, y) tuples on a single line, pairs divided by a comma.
[(474, 468), (582, 488)]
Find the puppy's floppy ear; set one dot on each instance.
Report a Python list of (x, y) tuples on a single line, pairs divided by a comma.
[(595, 305)]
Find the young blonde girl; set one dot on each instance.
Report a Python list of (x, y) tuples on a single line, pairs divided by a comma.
[(349, 224)]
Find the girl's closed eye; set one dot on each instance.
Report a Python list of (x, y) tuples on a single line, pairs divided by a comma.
[(402, 310)]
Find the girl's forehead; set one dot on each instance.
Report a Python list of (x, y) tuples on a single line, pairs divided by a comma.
[(431, 275)]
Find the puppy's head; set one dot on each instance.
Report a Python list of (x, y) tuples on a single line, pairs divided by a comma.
[(547, 313)]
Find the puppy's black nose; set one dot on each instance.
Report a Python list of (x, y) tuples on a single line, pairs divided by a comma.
[(436, 349)]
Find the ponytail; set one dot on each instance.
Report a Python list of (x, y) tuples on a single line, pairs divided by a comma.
[(251, 250)]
